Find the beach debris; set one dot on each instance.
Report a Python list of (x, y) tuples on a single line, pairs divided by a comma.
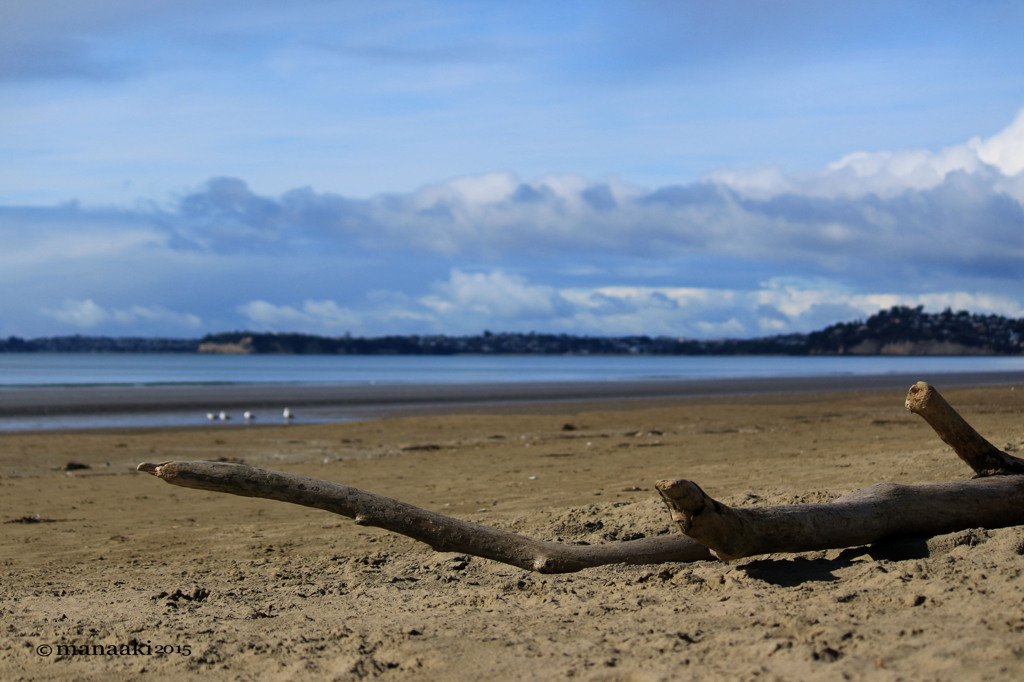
[(442, 533), (199, 594), (993, 499), (710, 529), (75, 466), (426, 446), (256, 613), (32, 518)]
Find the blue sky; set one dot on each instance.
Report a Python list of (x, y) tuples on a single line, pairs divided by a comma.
[(171, 168)]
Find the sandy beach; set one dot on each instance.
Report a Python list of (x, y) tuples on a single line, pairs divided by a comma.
[(177, 581)]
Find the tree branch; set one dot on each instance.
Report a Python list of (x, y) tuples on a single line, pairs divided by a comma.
[(881, 511), (442, 533), (985, 458)]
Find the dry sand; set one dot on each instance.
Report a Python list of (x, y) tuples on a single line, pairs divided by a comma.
[(254, 589)]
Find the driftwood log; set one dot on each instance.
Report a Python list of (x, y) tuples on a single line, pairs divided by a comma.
[(992, 500), (710, 529), (442, 533)]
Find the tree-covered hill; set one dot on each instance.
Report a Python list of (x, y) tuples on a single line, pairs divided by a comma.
[(900, 330), (911, 331)]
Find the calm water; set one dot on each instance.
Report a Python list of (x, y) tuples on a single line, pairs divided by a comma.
[(63, 369), (66, 369)]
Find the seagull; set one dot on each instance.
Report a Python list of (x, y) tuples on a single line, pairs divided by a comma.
[(211, 416), (287, 414), (248, 416), (223, 416)]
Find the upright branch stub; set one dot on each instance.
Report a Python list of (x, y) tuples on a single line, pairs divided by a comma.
[(985, 458), (994, 499)]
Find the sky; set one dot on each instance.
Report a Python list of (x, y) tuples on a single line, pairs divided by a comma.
[(703, 170)]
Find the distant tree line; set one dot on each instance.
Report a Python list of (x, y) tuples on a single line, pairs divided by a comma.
[(510, 343), (98, 344), (901, 330)]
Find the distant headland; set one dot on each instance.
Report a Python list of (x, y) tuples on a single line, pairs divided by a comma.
[(901, 330)]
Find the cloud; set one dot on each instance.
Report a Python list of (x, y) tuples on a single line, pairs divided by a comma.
[(81, 314), (1005, 149), (44, 60), (935, 215), (494, 295), (744, 252), (997, 160), (311, 316), (878, 205), (87, 314), (64, 39), (775, 307), (466, 303), (43, 237)]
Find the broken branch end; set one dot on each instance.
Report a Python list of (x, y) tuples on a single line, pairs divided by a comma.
[(152, 468)]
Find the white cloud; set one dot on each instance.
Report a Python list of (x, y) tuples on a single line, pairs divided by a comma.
[(86, 313), (1005, 149), (947, 212), (989, 304), (495, 294), (474, 190), (890, 173), (139, 314), (312, 316), (777, 306), (797, 299), (82, 314)]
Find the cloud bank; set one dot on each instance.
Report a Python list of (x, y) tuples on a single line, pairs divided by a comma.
[(740, 252)]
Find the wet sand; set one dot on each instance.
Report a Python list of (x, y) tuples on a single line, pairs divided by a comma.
[(386, 400), (247, 589)]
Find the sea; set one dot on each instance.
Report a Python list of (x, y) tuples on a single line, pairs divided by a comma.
[(21, 370)]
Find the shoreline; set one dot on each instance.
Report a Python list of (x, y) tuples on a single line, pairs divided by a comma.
[(184, 405)]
